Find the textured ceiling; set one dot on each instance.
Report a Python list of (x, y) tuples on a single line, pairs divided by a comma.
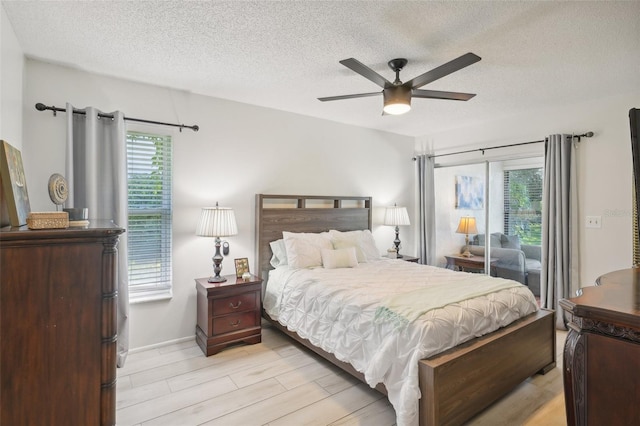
[(285, 54)]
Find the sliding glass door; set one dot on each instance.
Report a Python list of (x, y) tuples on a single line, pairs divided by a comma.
[(501, 199)]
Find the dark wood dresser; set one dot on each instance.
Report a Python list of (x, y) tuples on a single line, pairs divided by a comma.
[(58, 325), (602, 352)]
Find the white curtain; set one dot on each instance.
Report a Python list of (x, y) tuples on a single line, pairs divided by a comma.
[(96, 171), (559, 277), (426, 209)]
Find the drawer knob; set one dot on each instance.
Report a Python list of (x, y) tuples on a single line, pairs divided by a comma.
[(236, 306), (235, 324)]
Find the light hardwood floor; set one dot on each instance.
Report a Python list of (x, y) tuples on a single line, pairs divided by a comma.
[(278, 382)]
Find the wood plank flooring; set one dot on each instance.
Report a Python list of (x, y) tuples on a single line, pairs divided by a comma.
[(278, 383)]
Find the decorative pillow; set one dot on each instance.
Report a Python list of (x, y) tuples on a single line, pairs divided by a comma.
[(494, 240), (341, 258), (511, 241), (279, 251), (304, 249), (363, 239), (342, 244)]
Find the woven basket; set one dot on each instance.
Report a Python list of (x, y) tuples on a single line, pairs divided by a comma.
[(48, 220)]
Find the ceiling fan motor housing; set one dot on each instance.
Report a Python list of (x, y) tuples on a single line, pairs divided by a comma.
[(397, 99)]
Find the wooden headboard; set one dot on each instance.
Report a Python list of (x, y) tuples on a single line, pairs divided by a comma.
[(304, 213)]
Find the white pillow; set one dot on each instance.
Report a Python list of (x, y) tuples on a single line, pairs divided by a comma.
[(341, 258), (342, 244), (363, 239), (304, 249), (279, 251)]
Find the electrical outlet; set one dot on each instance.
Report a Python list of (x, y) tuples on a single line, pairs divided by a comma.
[(594, 222)]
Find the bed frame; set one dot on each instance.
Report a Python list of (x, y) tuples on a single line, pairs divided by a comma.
[(455, 384)]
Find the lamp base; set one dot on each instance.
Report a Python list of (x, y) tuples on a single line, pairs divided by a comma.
[(217, 265), (396, 243), (466, 253)]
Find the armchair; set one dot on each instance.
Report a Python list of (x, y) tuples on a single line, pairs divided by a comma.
[(519, 262)]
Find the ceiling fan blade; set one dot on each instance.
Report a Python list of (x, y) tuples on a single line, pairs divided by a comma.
[(443, 70), (366, 72), (358, 95), (436, 94)]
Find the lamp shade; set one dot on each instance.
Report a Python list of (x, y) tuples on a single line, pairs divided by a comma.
[(467, 225), (397, 100), (217, 222), (396, 216)]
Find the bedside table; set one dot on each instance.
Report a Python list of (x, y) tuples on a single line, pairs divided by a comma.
[(228, 313), (469, 264), (407, 258)]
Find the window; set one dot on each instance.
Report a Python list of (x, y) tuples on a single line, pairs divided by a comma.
[(523, 204), (150, 215)]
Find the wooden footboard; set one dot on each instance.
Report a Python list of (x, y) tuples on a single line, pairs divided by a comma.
[(461, 382)]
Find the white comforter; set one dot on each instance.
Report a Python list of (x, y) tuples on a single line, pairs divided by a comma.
[(334, 309)]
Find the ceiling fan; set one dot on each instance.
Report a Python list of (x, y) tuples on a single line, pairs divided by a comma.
[(397, 95)]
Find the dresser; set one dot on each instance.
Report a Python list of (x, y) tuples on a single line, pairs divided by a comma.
[(58, 325), (602, 352), (228, 313)]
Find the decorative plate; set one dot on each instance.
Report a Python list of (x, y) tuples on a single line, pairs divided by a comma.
[(58, 189)]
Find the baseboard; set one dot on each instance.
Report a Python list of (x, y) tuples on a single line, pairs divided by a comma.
[(161, 344)]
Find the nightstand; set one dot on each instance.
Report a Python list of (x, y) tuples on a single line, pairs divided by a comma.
[(407, 258), (470, 264), (228, 313)]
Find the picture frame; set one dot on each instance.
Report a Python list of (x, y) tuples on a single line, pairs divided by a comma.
[(469, 193), (242, 266), (14, 185)]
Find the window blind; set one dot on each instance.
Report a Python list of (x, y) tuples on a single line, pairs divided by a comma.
[(523, 204), (149, 167)]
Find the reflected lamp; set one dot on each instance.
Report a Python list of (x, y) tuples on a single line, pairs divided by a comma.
[(467, 226)]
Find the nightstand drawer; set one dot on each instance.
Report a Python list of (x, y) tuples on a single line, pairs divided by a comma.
[(234, 322), (238, 303)]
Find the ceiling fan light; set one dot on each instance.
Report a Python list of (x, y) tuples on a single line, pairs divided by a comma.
[(397, 100), (396, 109)]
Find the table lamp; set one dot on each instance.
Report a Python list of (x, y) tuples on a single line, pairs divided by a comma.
[(467, 226), (217, 222), (396, 216)]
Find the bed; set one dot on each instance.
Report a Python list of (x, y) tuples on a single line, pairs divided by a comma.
[(454, 384)]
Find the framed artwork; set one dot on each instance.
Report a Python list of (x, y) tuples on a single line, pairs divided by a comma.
[(469, 193), (242, 266), (14, 185)]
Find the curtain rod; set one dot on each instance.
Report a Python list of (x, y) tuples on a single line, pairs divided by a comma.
[(43, 107), (584, 135)]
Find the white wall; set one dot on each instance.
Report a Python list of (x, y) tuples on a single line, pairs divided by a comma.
[(604, 168), (11, 78), (239, 151)]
